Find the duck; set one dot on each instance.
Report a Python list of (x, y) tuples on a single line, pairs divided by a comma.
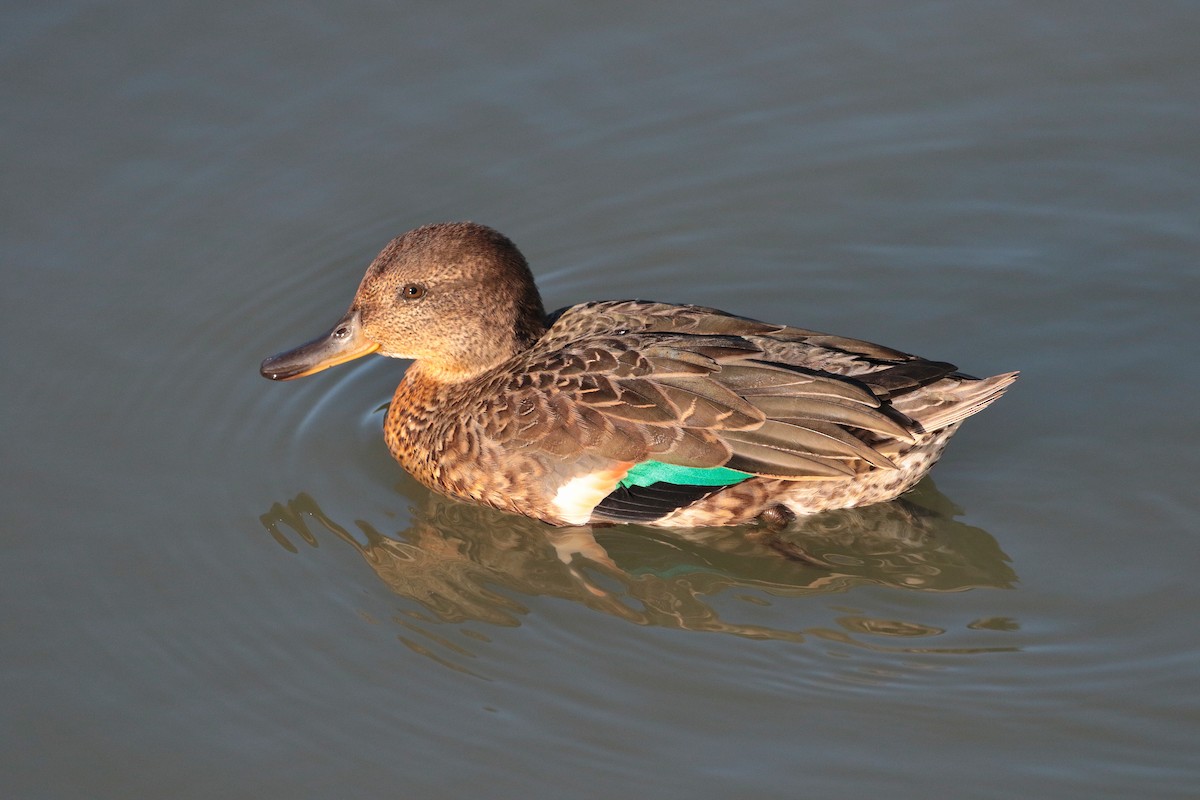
[(630, 411)]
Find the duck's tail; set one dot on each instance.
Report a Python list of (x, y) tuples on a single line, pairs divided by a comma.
[(952, 399)]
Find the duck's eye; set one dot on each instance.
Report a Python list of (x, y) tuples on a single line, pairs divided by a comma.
[(412, 291)]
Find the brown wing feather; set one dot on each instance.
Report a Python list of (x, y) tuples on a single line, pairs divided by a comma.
[(631, 381)]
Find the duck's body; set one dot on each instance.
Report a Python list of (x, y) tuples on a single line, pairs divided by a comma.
[(631, 411)]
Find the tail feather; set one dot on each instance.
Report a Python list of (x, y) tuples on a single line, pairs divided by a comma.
[(952, 399)]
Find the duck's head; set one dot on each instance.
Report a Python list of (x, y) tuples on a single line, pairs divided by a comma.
[(457, 297)]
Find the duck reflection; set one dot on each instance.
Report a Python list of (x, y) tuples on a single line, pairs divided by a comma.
[(468, 563)]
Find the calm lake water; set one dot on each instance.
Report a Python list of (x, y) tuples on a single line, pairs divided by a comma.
[(216, 586)]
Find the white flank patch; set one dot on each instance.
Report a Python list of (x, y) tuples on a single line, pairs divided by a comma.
[(576, 498)]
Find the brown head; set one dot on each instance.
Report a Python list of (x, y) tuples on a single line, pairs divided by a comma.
[(457, 297)]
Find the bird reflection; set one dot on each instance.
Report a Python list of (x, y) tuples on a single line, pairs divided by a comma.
[(468, 563)]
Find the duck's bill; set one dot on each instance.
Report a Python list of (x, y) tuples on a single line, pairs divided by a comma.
[(345, 342)]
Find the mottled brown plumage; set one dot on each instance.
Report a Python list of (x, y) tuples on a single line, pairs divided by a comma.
[(543, 416)]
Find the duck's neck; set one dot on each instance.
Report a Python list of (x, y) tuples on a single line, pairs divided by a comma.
[(481, 351)]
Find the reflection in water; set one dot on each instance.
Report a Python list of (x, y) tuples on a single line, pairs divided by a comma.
[(466, 563)]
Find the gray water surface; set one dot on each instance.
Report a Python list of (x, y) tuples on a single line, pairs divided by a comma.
[(216, 586)]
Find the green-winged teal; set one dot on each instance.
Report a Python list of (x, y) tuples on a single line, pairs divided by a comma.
[(630, 411)]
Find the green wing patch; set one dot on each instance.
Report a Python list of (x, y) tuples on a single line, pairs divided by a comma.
[(649, 472)]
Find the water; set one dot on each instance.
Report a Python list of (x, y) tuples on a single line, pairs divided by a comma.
[(214, 585)]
